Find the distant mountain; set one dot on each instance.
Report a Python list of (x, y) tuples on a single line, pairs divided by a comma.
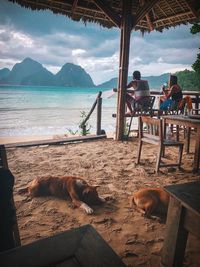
[(155, 82), (30, 72), (4, 73), (72, 75), (21, 70), (43, 77)]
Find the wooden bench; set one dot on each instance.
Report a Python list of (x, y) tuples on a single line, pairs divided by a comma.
[(80, 247)]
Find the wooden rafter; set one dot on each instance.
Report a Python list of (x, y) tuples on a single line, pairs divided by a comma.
[(194, 12), (74, 6), (113, 16), (143, 11), (149, 22)]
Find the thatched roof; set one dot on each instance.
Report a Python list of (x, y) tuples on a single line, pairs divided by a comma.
[(107, 13)]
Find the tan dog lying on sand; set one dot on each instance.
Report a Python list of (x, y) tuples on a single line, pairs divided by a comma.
[(80, 192), (151, 201)]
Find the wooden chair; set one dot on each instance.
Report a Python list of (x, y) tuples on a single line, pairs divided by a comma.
[(142, 110), (155, 136)]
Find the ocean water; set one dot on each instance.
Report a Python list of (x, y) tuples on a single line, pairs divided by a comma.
[(29, 110)]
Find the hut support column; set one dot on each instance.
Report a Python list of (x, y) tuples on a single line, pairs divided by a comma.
[(126, 26)]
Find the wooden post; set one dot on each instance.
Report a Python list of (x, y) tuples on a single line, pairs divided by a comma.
[(126, 27), (197, 104), (99, 108)]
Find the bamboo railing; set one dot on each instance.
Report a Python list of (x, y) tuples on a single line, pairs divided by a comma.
[(98, 103)]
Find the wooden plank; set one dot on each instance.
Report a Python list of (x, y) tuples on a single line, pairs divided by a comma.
[(46, 251), (150, 141), (152, 137), (181, 120), (175, 236), (188, 194), (98, 252), (192, 223), (57, 141), (82, 246)]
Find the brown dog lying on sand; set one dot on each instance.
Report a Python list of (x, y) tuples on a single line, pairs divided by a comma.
[(151, 201), (80, 192)]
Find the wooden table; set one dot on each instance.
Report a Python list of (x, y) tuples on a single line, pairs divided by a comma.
[(192, 123), (183, 217), (80, 247)]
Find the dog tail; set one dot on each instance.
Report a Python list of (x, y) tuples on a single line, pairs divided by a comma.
[(23, 190)]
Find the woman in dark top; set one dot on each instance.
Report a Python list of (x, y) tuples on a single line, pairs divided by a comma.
[(172, 96)]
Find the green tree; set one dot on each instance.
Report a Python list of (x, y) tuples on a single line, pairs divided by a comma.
[(188, 80), (194, 30)]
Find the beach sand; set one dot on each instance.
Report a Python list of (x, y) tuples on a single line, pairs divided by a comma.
[(111, 165)]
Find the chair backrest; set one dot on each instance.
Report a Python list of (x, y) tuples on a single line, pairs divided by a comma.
[(146, 104), (153, 131)]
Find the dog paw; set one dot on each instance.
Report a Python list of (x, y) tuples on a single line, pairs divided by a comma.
[(86, 208)]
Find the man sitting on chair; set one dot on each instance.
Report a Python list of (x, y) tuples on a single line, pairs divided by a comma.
[(138, 96)]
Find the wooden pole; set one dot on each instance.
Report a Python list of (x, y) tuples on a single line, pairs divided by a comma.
[(99, 108), (126, 27)]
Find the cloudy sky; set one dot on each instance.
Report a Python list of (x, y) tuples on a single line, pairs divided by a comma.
[(54, 40)]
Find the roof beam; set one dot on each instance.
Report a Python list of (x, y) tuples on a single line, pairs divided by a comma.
[(110, 13), (149, 22), (74, 5), (143, 11), (191, 7)]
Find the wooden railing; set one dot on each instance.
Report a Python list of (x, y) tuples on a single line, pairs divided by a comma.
[(98, 103), (195, 95)]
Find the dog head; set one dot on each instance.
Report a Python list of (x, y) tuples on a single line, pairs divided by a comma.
[(90, 195)]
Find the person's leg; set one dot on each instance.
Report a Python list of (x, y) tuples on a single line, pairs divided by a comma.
[(129, 102)]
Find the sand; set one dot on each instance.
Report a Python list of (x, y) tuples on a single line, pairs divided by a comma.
[(111, 165)]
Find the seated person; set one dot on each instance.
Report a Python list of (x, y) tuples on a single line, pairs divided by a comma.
[(172, 95), (138, 97)]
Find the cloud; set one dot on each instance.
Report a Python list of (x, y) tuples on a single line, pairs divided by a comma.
[(54, 40)]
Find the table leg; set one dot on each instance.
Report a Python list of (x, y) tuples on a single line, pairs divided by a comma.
[(187, 141), (175, 236), (197, 151)]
